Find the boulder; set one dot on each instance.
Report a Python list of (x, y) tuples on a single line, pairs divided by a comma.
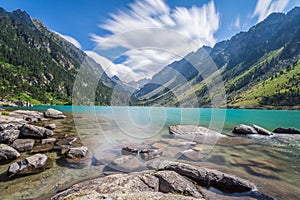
[(78, 157), (192, 130), (128, 163), (7, 153), (261, 130), (51, 126), (206, 177), (48, 141), (9, 135), (244, 129), (66, 141), (133, 149), (141, 185), (286, 130), (55, 114), (31, 165), (172, 182), (35, 131), (149, 154), (28, 115), (23, 144)]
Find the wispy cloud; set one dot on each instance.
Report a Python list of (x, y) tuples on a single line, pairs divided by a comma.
[(265, 7), (153, 33), (237, 23), (69, 39)]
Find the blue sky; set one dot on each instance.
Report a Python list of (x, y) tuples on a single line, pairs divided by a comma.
[(87, 23)]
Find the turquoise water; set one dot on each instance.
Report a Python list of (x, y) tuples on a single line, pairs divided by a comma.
[(269, 119), (271, 163)]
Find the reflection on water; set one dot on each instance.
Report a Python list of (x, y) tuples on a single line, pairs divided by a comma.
[(271, 163)]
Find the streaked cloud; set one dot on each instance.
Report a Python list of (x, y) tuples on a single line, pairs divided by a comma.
[(237, 23), (69, 39), (265, 7), (150, 30)]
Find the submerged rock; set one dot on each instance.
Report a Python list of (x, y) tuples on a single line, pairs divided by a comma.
[(149, 154), (7, 153), (23, 144), (52, 113), (31, 165), (244, 129), (192, 130), (35, 131), (206, 177), (51, 126), (286, 130)]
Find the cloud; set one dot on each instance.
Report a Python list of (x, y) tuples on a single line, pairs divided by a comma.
[(237, 23), (265, 7), (69, 39), (155, 35), (120, 70)]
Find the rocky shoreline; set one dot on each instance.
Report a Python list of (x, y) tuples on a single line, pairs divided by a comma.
[(21, 133)]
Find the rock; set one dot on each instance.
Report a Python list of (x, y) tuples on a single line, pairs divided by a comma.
[(244, 129), (206, 177), (8, 136), (7, 153), (51, 126), (78, 157), (192, 154), (23, 144), (149, 154), (31, 165), (35, 131), (261, 130), (48, 141), (52, 113), (142, 185), (171, 182), (192, 130), (133, 149), (128, 163), (66, 141), (286, 130), (28, 115), (47, 144)]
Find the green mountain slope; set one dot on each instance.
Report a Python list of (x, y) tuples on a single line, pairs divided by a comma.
[(258, 69), (38, 65)]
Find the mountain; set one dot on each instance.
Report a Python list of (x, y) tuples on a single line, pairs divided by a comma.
[(258, 68), (39, 66)]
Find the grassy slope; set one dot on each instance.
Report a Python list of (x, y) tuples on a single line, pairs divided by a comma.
[(281, 82)]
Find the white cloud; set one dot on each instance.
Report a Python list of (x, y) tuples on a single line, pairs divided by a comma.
[(237, 23), (120, 70), (69, 39), (265, 7), (156, 35)]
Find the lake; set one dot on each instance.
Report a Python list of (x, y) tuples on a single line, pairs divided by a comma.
[(272, 163)]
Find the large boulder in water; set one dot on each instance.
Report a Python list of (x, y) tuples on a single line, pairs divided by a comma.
[(205, 177), (78, 157), (261, 130), (31, 165), (52, 113), (9, 128), (7, 153), (286, 130), (35, 131), (8, 136), (244, 129)]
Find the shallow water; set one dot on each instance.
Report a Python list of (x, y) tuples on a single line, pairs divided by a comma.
[(271, 163)]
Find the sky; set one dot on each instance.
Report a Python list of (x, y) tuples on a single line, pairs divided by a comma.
[(134, 39)]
